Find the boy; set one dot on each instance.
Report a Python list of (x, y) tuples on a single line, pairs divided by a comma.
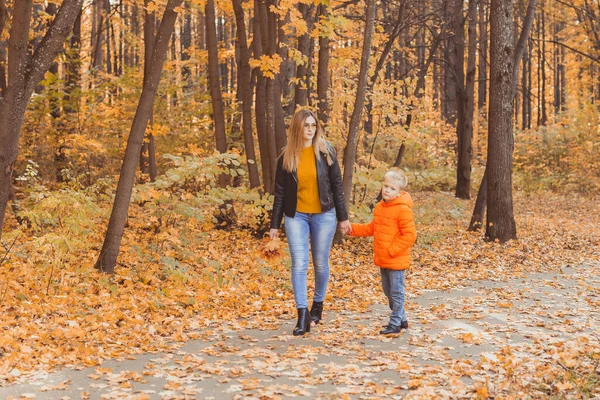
[(393, 228)]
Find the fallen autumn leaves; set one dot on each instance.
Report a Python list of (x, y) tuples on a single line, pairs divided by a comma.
[(214, 279)]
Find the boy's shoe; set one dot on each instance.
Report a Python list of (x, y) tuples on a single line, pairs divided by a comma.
[(403, 325), (390, 329)]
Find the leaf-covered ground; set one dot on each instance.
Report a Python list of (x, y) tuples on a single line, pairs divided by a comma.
[(59, 312)]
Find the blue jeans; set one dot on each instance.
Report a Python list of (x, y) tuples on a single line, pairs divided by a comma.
[(392, 282), (320, 228)]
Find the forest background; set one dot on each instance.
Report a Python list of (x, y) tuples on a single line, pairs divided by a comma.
[(395, 82)]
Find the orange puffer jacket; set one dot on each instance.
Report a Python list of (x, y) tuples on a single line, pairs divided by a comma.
[(393, 228)]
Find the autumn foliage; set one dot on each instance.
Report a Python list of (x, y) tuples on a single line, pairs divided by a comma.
[(194, 258)]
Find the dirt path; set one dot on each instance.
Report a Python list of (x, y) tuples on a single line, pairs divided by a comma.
[(523, 336)]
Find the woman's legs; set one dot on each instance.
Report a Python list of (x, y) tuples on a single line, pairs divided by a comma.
[(322, 229), (297, 230)]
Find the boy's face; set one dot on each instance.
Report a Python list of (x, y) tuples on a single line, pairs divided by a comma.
[(390, 190)]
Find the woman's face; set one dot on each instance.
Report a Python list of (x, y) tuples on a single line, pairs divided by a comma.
[(310, 129)]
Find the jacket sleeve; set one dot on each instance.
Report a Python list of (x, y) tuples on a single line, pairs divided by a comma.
[(337, 188), (362, 229), (277, 212), (407, 235)]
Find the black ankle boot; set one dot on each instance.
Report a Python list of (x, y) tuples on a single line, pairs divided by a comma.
[(303, 325), (315, 311)]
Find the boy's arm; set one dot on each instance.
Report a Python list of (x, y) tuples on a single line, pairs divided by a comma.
[(361, 229), (407, 235)]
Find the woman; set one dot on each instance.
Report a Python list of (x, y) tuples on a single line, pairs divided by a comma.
[(308, 191)]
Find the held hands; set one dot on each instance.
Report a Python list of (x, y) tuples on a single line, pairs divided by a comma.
[(345, 227)]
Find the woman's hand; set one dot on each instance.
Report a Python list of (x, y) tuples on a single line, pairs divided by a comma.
[(273, 233), (345, 227)]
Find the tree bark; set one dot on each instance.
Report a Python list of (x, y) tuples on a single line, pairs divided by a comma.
[(544, 116), (245, 85), (304, 43), (482, 194), (186, 43), (97, 36), (463, 167), (149, 166), (269, 36), (215, 86), (72, 69), (260, 105), (24, 72), (482, 65), (3, 19), (500, 224), (449, 98), (323, 71), (112, 242), (361, 88)]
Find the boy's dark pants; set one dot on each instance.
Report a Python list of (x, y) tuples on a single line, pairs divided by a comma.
[(392, 282)]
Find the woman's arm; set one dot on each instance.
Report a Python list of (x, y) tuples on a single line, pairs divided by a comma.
[(337, 188), (277, 212)]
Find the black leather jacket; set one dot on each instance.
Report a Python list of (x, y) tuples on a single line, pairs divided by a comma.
[(331, 192)]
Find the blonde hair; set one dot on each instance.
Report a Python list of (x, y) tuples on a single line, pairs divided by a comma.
[(295, 142), (398, 176)]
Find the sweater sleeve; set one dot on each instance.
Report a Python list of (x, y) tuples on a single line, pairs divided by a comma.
[(407, 235), (362, 229)]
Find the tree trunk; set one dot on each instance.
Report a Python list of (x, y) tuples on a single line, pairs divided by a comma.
[(482, 195), (260, 108), (323, 71), (24, 72), (186, 43), (51, 10), (500, 223), (148, 165), (108, 38), (3, 19), (449, 98), (281, 81), (97, 36), (480, 203), (215, 86), (400, 155), (482, 68), (269, 36), (245, 85), (361, 88), (544, 117), (304, 42), (72, 69), (112, 242), (463, 167)]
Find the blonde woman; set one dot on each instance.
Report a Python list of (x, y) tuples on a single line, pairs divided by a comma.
[(308, 191)]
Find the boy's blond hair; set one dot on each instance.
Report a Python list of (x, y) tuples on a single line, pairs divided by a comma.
[(398, 176)]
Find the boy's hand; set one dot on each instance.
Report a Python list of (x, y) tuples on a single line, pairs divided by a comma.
[(273, 233), (345, 227)]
